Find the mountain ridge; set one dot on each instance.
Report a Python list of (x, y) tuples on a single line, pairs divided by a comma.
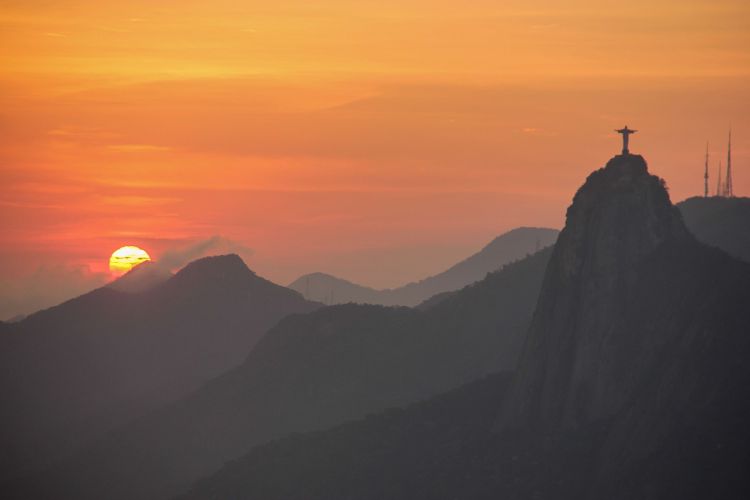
[(67, 371), (720, 222), (506, 248)]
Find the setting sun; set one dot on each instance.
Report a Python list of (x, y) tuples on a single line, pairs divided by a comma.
[(125, 258)]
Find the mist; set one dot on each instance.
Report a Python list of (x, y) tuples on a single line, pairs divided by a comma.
[(175, 258), (47, 286)]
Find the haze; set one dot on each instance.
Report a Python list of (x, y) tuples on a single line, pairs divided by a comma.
[(328, 137)]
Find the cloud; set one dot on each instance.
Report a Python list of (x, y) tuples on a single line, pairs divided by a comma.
[(49, 285), (174, 259)]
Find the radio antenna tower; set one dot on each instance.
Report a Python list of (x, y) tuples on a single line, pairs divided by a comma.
[(719, 187), (728, 190), (705, 175)]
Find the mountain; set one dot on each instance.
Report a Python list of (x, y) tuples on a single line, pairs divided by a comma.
[(506, 248), (573, 364), (332, 290), (640, 326), (442, 448), (71, 372), (434, 449), (309, 372), (720, 222), (632, 382)]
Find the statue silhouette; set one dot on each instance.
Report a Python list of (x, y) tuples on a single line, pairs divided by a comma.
[(625, 135)]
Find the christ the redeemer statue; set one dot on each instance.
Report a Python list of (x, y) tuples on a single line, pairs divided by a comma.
[(625, 135)]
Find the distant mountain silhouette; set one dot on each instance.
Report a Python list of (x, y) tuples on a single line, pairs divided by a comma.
[(309, 372), (332, 290), (720, 222), (506, 248), (632, 383), (73, 371)]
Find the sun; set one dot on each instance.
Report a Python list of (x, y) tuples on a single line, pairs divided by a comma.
[(125, 258)]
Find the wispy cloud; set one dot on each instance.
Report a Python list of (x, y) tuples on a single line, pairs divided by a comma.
[(176, 258)]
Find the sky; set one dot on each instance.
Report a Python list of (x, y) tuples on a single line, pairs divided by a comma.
[(380, 141)]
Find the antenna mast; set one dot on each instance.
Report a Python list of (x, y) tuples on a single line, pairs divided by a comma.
[(728, 190), (705, 175), (719, 190)]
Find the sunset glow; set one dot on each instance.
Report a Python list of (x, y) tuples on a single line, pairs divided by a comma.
[(379, 141)]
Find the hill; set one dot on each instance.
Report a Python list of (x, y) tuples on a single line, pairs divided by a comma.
[(506, 248), (331, 290), (632, 382), (720, 222), (309, 372), (71, 372)]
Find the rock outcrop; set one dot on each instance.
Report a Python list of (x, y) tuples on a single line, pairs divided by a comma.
[(573, 368)]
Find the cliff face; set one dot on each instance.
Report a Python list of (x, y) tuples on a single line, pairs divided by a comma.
[(683, 431), (580, 363)]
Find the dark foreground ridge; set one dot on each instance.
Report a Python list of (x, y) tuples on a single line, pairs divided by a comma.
[(632, 383)]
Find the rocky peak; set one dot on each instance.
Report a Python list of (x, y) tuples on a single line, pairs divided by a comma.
[(620, 214), (220, 270), (574, 368)]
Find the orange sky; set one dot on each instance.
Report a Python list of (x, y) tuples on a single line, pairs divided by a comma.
[(377, 140)]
